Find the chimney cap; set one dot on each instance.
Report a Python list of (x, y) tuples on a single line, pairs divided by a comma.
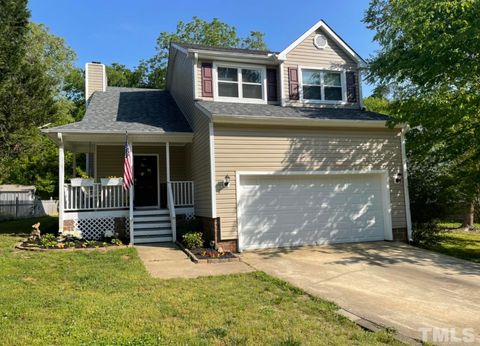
[(96, 62)]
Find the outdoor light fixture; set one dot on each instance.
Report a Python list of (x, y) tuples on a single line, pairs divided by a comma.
[(226, 181), (398, 178)]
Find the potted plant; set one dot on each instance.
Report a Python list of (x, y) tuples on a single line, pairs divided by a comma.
[(111, 181), (84, 180)]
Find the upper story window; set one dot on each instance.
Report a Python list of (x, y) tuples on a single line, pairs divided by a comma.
[(322, 86), (241, 84)]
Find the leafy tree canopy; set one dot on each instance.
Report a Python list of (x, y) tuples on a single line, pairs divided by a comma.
[(429, 54), (197, 31), (32, 98)]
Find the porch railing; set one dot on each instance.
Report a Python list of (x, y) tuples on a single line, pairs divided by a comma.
[(183, 193), (96, 196), (99, 196)]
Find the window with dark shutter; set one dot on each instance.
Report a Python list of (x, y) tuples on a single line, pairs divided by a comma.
[(272, 84), (351, 87), (207, 80), (293, 83)]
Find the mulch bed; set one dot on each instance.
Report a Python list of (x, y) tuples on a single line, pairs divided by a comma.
[(28, 245), (207, 255)]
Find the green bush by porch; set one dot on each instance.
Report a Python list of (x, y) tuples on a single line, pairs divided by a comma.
[(108, 298)]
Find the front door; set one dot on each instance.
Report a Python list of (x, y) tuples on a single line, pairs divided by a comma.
[(145, 170)]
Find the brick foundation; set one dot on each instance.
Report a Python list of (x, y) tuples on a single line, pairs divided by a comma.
[(211, 230), (68, 225), (400, 234)]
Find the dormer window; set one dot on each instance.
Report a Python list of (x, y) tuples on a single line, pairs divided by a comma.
[(322, 86), (240, 83)]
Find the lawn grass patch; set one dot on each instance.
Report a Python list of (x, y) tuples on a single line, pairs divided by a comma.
[(48, 224), (108, 298), (460, 244)]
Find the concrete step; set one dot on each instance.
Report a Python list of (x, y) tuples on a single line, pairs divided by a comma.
[(140, 212), (151, 218), (153, 232), (144, 240), (151, 225)]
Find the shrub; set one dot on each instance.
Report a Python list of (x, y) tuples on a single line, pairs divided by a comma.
[(185, 226), (425, 234), (48, 240), (192, 240)]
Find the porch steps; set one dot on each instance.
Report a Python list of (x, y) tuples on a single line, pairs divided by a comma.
[(152, 226)]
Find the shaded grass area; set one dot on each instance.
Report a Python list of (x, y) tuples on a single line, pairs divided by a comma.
[(464, 245), (108, 297), (48, 224)]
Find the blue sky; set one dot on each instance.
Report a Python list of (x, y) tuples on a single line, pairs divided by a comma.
[(125, 31)]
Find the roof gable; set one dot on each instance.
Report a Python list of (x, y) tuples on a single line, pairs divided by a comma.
[(324, 28)]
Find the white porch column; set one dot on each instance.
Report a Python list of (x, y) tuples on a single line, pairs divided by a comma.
[(131, 192), (61, 182), (170, 198), (167, 155)]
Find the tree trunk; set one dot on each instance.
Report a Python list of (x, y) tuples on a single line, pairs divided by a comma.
[(468, 217)]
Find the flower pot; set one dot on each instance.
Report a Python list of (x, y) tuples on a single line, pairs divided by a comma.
[(111, 181), (82, 182)]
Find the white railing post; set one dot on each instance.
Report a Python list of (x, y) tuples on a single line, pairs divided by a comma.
[(61, 182), (171, 208)]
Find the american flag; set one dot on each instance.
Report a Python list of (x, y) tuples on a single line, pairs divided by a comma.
[(127, 166)]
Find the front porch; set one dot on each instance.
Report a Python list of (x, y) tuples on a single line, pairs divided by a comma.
[(163, 187)]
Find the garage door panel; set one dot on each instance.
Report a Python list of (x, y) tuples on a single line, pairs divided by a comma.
[(296, 210)]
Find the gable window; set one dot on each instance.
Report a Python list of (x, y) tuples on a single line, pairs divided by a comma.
[(318, 85), (243, 84)]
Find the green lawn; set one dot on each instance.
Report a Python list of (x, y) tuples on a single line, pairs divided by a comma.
[(108, 298), (465, 245)]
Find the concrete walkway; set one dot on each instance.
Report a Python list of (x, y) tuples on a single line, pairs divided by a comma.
[(391, 284), (166, 261)]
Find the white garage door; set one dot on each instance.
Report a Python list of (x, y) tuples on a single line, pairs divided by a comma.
[(286, 210)]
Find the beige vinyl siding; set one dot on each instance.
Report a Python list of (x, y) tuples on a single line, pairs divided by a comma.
[(95, 79), (242, 148), (307, 55), (200, 166), (181, 88), (110, 161)]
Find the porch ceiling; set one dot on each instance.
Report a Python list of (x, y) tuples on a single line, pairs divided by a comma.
[(84, 142)]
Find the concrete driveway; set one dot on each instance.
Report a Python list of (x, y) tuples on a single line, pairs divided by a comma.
[(391, 284)]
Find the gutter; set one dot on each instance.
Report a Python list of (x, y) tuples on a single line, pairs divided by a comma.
[(270, 120)]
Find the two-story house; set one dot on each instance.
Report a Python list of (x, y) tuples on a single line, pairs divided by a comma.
[(267, 149)]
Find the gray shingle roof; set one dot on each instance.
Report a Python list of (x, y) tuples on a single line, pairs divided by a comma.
[(130, 109), (266, 110), (224, 49)]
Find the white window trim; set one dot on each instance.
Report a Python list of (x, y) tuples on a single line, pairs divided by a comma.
[(343, 79), (240, 98)]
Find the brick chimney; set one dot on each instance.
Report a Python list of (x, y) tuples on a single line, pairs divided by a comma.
[(95, 78)]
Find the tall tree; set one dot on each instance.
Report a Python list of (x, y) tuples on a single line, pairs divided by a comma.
[(430, 51), (35, 98), (198, 31)]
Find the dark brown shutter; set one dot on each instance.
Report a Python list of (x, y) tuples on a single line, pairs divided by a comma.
[(272, 84), (352, 87), (207, 80), (293, 83)]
